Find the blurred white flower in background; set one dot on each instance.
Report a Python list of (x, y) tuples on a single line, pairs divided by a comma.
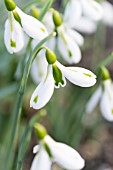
[(84, 15), (50, 151), (104, 96)]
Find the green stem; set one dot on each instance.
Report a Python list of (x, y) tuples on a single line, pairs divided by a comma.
[(20, 98), (26, 138)]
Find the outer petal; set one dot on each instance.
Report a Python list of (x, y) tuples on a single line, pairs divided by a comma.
[(41, 161), (39, 68), (72, 12), (76, 36), (16, 35), (78, 76), (44, 91), (68, 48), (36, 149), (32, 26), (106, 104), (92, 9), (108, 13), (48, 21), (85, 25), (93, 101), (64, 155)]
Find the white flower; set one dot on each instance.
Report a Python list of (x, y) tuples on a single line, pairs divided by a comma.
[(68, 40), (31, 25), (68, 44), (108, 13), (104, 96), (14, 26), (62, 154), (13, 35), (83, 15), (55, 76)]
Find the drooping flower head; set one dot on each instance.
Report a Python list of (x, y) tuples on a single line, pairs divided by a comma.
[(50, 151), (18, 22), (104, 96), (56, 76)]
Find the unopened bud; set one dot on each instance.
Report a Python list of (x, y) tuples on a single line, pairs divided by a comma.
[(105, 73), (10, 5), (50, 56), (40, 131), (57, 19), (35, 12)]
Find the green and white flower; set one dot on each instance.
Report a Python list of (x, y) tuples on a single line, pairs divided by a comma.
[(55, 77), (59, 153), (104, 96), (18, 22)]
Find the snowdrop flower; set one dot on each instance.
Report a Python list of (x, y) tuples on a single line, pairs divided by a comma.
[(104, 96), (13, 35), (50, 151), (83, 15), (108, 13), (56, 76), (68, 40), (18, 21)]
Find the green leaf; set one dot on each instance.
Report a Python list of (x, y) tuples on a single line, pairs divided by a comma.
[(45, 9)]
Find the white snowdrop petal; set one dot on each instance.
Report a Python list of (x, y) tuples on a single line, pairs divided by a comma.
[(48, 21), (85, 25), (76, 36), (108, 13), (41, 161), (39, 68), (106, 104), (44, 91), (92, 9), (93, 101), (72, 13), (80, 76), (32, 26), (64, 155), (36, 149), (68, 48), (16, 35)]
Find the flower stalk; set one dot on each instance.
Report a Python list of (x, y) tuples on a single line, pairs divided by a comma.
[(20, 98)]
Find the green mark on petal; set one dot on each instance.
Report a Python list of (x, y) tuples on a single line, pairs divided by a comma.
[(69, 53), (86, 74), (42, 29), (63, 38), (35, 99), (112, 111), (13, 43)]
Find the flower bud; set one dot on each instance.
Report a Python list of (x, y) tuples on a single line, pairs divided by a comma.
[(40, 131), (105, 73), (35, 12), (10, 5), (57, 19), (50, 56)]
